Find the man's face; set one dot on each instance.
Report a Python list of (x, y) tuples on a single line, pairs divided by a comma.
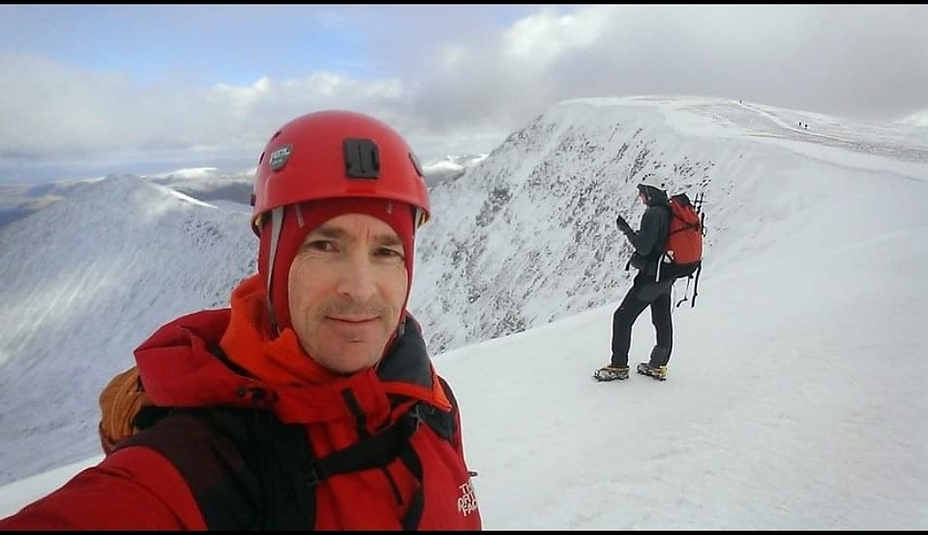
[(642, 197), (347, 288)]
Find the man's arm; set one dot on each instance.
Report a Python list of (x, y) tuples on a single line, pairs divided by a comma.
[(646, 239), (131, 489)]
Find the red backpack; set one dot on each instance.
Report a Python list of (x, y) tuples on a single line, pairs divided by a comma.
[(683, 249)]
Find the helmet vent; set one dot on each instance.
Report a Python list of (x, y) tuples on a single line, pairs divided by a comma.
[(362, 158), (415, 163)]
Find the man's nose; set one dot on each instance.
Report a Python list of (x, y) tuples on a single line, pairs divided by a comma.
[(357, 277)]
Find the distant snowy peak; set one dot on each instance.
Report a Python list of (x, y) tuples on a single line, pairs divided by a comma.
[(450, 167), (916, 119), (132, 194), (209, 184), (191, 172)]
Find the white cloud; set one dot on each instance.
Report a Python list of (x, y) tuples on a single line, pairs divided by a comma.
[(459, 78)]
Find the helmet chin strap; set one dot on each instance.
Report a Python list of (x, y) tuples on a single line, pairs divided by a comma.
[(277, 219)]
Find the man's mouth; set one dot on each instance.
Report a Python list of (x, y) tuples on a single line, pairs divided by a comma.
[(353, 319)]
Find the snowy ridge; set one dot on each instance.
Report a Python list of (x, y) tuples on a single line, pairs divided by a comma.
[(89, 277), (530, 233)]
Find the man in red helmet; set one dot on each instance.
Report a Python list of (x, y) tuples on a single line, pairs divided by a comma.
[(310, 402)]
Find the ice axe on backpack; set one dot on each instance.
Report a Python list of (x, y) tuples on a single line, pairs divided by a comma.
[(695, 289)]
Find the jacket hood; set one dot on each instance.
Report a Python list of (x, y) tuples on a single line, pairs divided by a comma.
[(654, 194), (182, 364)]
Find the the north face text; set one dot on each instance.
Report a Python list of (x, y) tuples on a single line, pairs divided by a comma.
[(467, 503)]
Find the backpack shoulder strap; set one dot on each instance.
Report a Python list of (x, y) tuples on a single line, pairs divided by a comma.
[(242, 465), (380, 449), (443, 423), (279, 455)]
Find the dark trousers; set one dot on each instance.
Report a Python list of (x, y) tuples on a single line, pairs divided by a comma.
[(643, 293)]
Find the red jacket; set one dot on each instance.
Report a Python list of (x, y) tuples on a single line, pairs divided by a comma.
[(137, 488)]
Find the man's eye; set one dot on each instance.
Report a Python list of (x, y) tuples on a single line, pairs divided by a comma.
[(319, 245), (387, 252)]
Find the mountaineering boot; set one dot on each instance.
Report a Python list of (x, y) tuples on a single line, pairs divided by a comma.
[(611, 373), (657, 372)]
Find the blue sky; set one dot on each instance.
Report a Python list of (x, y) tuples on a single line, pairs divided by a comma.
[(233, 44), (156, 41), (95, 89)]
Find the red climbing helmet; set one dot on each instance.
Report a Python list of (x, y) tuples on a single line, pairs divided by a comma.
[(331, 154)]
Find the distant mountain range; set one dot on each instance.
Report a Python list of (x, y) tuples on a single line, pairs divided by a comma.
[(207, 184)]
